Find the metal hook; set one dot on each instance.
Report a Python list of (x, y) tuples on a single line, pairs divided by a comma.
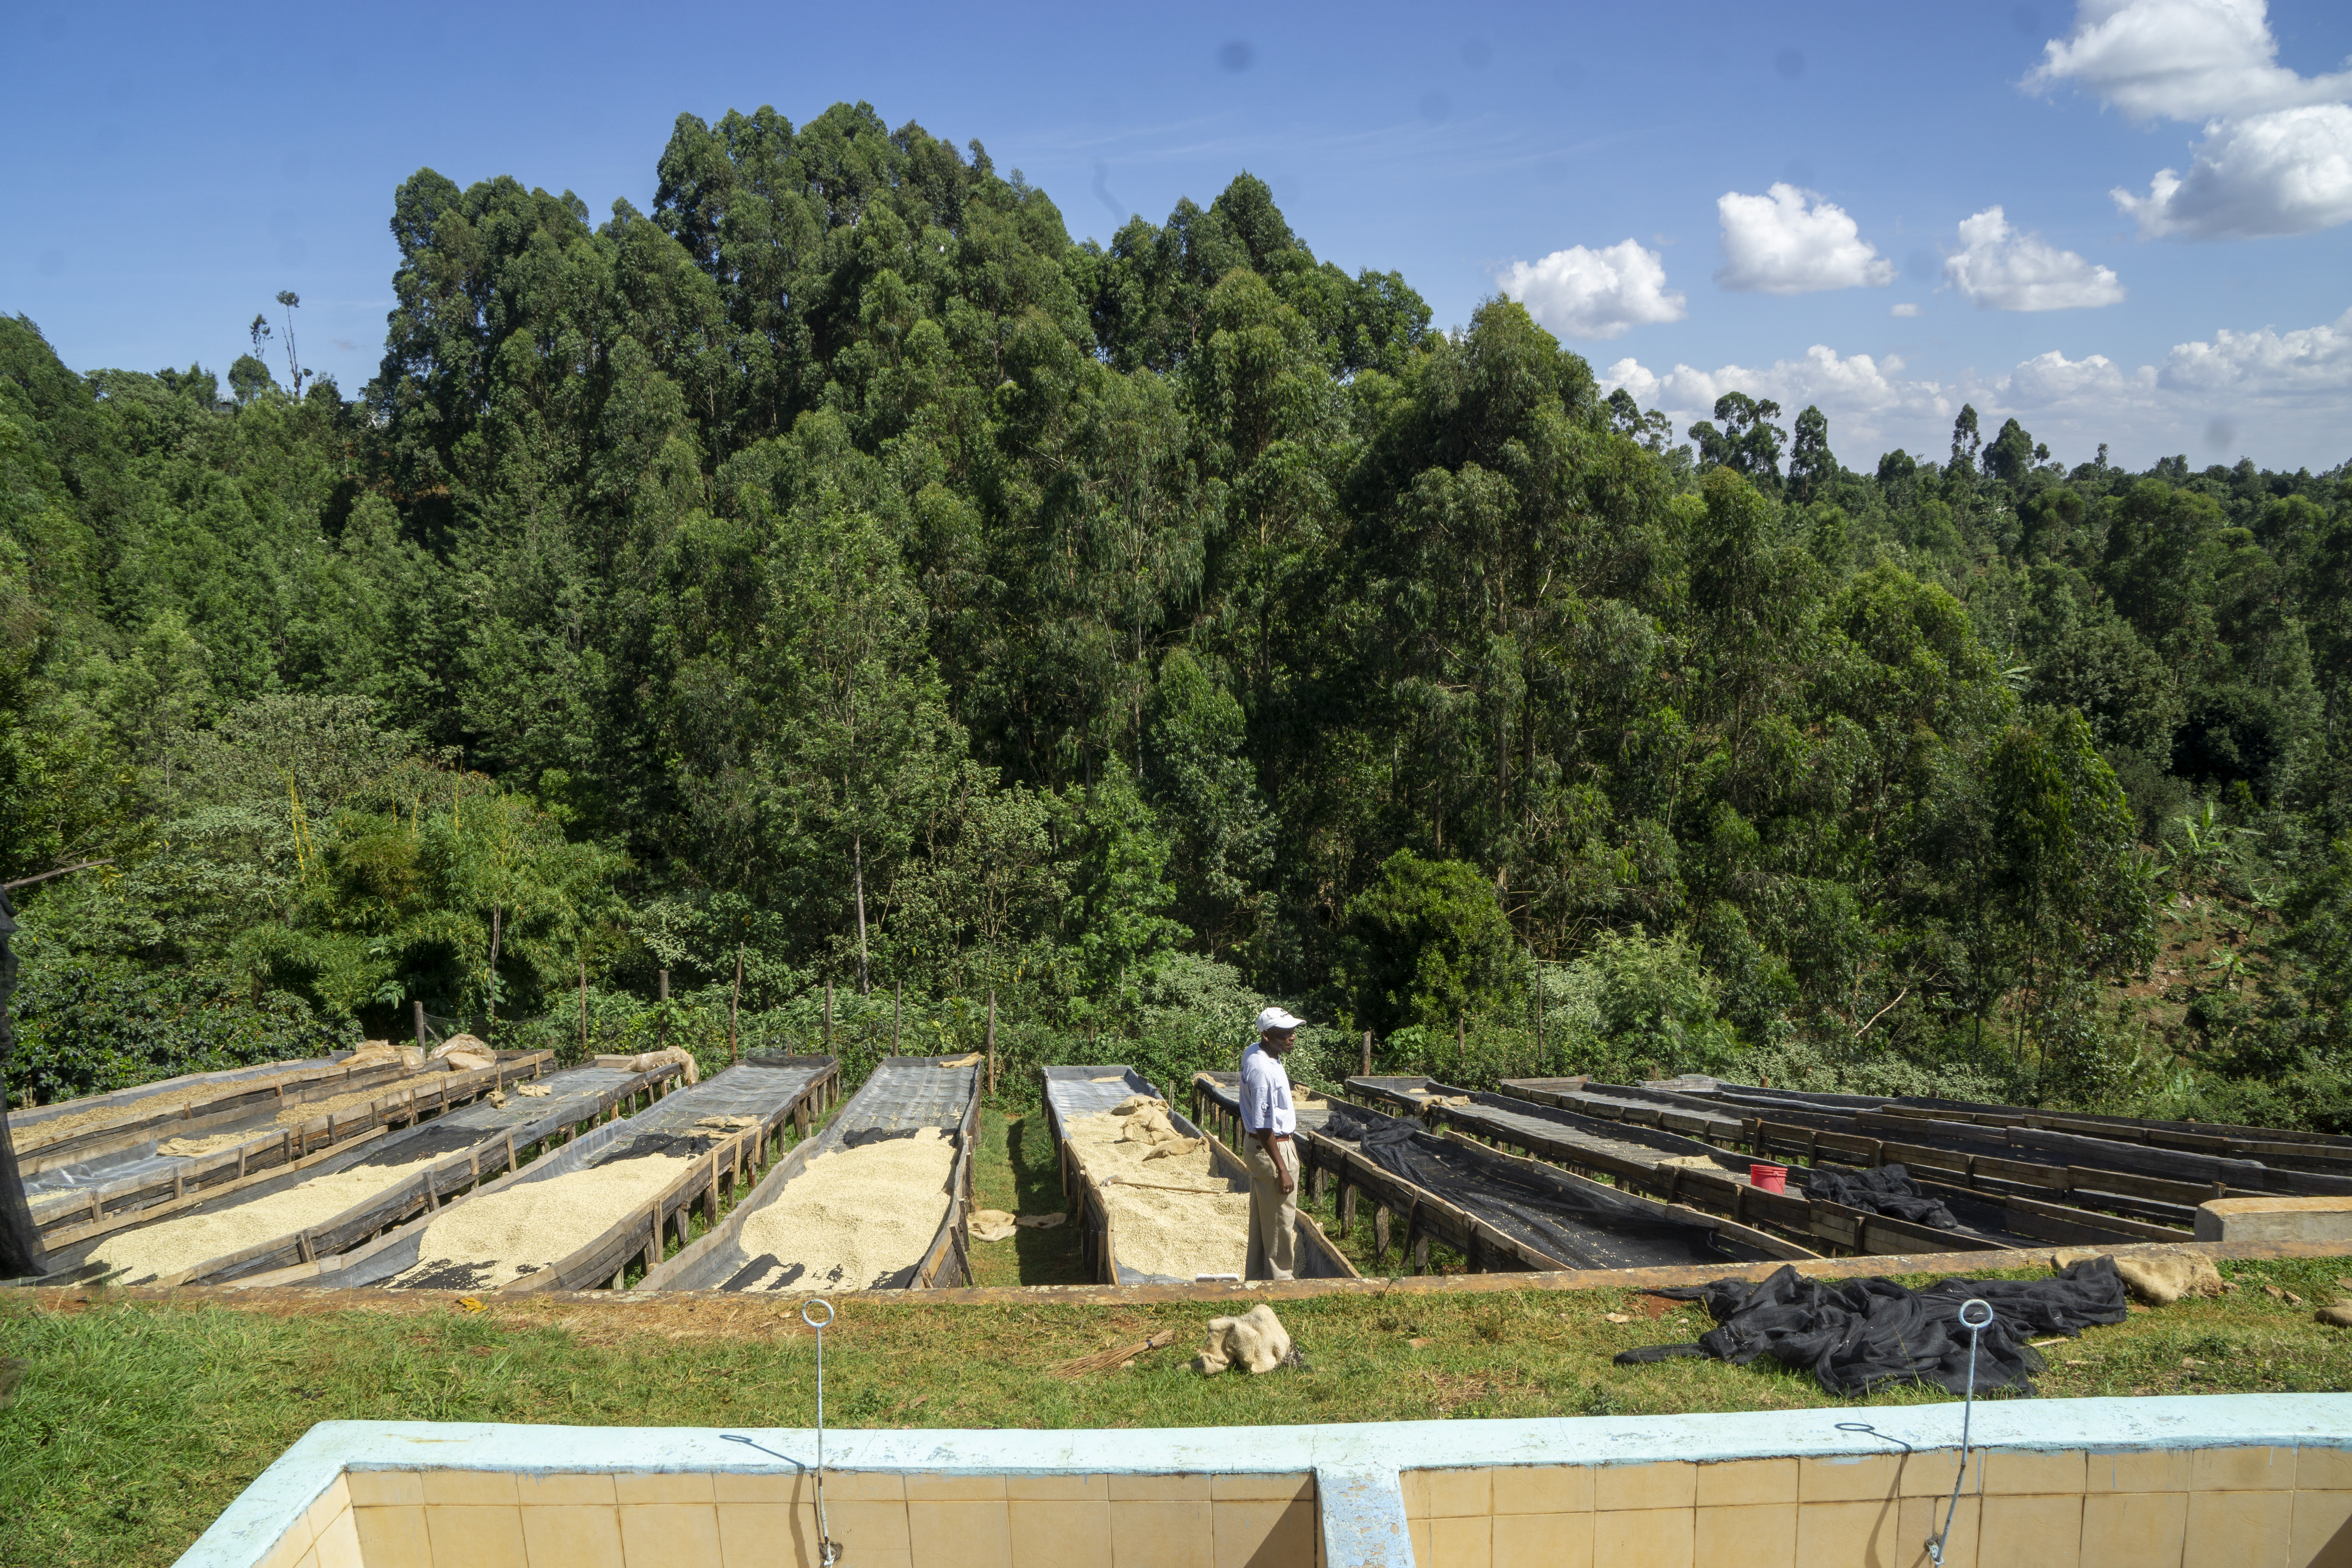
[(1975, 1315), (827, 1552)]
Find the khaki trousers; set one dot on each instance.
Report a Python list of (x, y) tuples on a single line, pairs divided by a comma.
[(1274, 1214)]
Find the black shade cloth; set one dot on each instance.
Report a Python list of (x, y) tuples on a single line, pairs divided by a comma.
[(1854, 1335), (21, 1253), (1886, 1189), (1582, 1227)]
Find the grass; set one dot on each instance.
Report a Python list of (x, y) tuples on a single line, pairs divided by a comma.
[(1017, 1169), (137, 1422)]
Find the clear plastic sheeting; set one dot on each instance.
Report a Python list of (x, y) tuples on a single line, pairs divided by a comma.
[(1854, 1335)]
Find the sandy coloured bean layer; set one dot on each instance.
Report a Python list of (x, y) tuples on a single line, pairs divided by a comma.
[(49, 1130), (294, 1115), (853, 1216), (1176, 1235), (153, 1251), (522, 1228)]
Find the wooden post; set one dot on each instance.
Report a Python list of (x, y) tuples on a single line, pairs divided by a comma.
[(992, 1042), (416, 1012), (1539, 1018), (857, 861), (829, 1014), (497, 933), (733, 1004), (1368, 1053)]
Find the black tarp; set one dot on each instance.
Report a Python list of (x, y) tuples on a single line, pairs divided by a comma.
[(1883, 1189), (1854, 1335), (1584, 1227), (21, 1254)]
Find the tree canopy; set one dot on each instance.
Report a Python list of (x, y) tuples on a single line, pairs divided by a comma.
[(839, 566)]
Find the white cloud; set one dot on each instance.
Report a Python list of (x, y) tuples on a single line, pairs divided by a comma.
[(2182, 59), (1905, 310), (1861, 394), (2285, 389), (2268, 364), (2277, 156), (1776, 244), (1583, 293), (2284, 173), (2001, 270), (2052, 380)]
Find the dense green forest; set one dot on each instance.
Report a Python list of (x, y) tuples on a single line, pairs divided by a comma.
[(838, 572)]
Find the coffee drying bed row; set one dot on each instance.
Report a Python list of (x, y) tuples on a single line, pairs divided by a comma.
[(341, 1197), (581, 1217), (1166, 1222), (880, 1200), (2020, 1166), (1498, 1210), (95, 1184), (192, 1104), (2278, 1144), (1891, 1209)]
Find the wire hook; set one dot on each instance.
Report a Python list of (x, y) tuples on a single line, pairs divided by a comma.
[(1975, 1315), (827, 1552)]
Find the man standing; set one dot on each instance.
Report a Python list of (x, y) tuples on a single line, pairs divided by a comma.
[(1268, 1123)]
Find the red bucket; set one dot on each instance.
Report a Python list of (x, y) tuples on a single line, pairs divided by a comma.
[(1769, 1178)]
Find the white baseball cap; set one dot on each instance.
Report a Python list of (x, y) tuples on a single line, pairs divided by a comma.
[(1276, 1018)]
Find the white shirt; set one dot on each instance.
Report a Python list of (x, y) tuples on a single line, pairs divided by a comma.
[(1266, 1092)]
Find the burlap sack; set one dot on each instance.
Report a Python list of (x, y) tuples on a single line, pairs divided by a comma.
[(1256, 1342)]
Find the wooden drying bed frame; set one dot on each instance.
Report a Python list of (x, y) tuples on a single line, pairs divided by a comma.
[(238, 1095), (1867, 1136), (135, 1200), (1816, 1221), (437, 1185), (2231, 1139), (1098, 1234), (2160, 1205), (1427, 1215), (638, 1237), (946, 1263)]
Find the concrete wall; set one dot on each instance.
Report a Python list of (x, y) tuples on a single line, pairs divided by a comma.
[(2264, 1481)]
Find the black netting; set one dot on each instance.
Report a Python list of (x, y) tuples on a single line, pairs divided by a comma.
[(1585, 1227), (1854, 1335), (1886, 1189)]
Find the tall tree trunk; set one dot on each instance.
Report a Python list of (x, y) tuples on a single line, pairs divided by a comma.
[(734, 1003), (497, 931), (857, 872), (22, 1256)]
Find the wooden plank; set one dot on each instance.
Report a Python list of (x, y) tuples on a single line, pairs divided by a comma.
[(121, 1218), (1771, 1245), (2084, 1178), (2106, 1227)]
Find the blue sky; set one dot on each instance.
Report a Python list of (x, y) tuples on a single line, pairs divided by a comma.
[(1700, 198)]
